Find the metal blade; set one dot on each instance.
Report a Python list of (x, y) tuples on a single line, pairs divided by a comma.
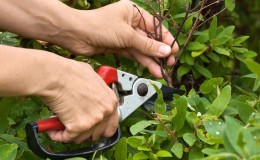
[(168, 93)]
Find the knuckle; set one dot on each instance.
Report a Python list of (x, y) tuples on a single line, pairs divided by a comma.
[(148, 45), (98, 118), (110, 132)]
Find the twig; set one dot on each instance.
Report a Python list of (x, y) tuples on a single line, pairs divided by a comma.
[(182, 24), (207, 6), (216, 14), (171, 134), (194, 26), (169, 11)]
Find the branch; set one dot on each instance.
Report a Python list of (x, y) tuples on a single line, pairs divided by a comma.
[(193, 28), (171, 134)]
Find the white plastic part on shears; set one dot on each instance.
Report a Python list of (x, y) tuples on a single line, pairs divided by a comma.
[(130, 102)]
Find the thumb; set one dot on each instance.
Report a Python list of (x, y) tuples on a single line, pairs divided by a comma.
[(150, 46)]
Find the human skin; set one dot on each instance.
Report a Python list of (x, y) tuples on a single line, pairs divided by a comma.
[(73, 91)]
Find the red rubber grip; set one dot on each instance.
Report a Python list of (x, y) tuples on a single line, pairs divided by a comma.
[(50, 124), (108, 74)]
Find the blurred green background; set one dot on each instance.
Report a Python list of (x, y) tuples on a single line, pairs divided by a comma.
[(246, 18)]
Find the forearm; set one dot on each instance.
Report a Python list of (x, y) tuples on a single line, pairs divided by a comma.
[(28, 72), (48, 20)]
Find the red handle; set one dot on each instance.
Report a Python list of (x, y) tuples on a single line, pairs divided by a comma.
[(108, 74), (50, 124)]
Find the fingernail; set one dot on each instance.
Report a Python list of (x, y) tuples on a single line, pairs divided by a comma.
[(165, 50)]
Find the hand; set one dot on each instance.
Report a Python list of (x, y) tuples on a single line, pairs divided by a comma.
[(120, 26), (117, 27), (85, 105)]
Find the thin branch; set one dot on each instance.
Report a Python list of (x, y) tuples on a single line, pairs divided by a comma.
[(143, 19), (169, 11), (182, 24), (194, 26), (216, 14), (207, 6), (171, 134)]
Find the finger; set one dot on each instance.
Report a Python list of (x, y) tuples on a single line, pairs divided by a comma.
[(169, 39), (107, 128), (145, 21), (150, 46), (170, 60), (148, 62), (84, 136), (61, 136), (111, 127)]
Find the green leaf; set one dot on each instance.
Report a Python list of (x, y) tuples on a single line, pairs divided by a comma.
[(213, 28), (220, 41), (209, 85), (121, 149), (239, 49), (222, 51), (179, 119), (205, 137), (195, 154), (221, 156), (6, 104), (140, 126), (159, 104), (135, 141), (8, 38), (197, 53), (202, 70), (230, 4), (163, 153), (256, 84), (177, 150), (12, 139), (253, 66), (247, 143), (83, 3), (189, 59), (8, 151), (249, 54), (210, 151), (215, 128), (221, 102), (192, 118), (195, 46), (140, 156), (188, 24), (29, 155), (203, 38), (239, 40), (244, 110), (213, 56), (231, 133), (189, 138), (182, 70), (226, 32)]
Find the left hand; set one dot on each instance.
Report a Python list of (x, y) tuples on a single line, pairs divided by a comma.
[(121, 27)]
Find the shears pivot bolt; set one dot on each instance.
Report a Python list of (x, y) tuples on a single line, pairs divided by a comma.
[(142, 89)]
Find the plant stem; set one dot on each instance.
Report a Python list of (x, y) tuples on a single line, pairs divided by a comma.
[(193, 28), (171, 134)]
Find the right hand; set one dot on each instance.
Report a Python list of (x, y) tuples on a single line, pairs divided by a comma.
[(84, 104)]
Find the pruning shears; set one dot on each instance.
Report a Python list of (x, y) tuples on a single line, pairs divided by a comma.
[(133, 92)]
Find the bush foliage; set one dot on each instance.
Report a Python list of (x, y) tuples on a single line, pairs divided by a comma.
[(218, 117)]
